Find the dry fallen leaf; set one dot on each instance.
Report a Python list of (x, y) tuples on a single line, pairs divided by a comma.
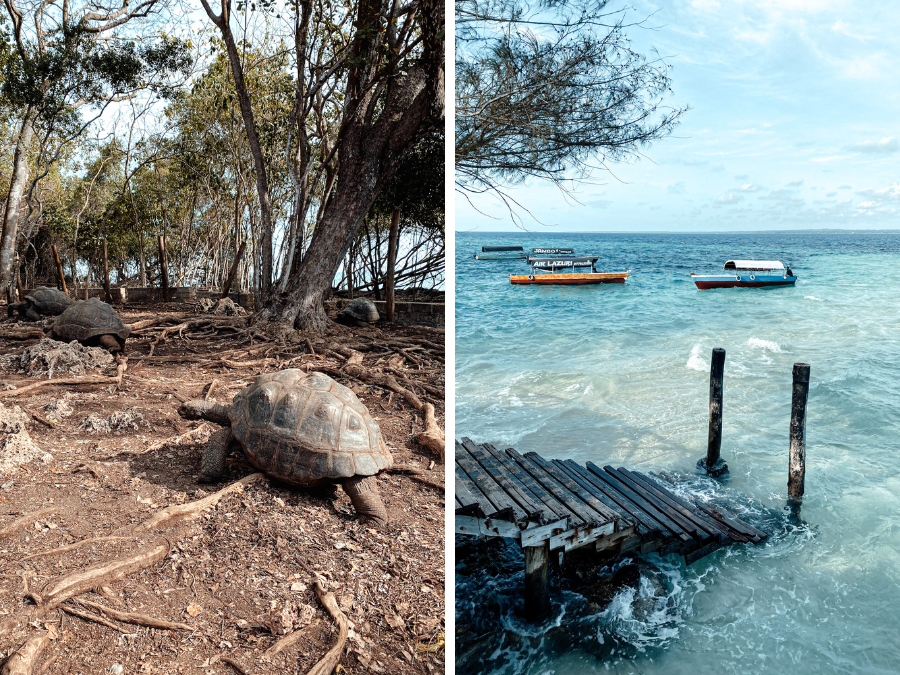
[(394, 621), (433, 647), (193, 609)]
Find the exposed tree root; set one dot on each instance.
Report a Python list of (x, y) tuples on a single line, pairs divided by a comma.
[(186, 512), (59, 590), (61, 382), (237, 665), (136, 619), (22, 662), (89, 617), (432, 438), (210, 389), (121, 367), (72, 547), (288, 640), (327, 663), (26, 519), (174, 440)]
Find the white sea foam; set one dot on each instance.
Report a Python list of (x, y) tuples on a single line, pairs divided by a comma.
[(812, 297), (695, 361), (765, 344)]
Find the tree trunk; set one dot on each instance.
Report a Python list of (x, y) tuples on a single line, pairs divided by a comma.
[(264, 244), (391, 263), (14, 199)]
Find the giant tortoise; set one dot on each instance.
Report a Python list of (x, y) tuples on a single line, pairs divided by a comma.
[(303, 429), (42, 301), (92, 322)]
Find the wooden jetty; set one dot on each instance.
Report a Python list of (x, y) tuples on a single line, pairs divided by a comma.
[(560, 505)]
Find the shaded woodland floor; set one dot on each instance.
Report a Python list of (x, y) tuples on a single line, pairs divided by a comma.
[(241, 574)]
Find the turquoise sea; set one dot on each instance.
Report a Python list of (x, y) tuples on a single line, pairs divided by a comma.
[(619, 374)]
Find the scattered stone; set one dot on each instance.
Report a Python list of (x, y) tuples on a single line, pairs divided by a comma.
[(289, 618), (130, 418), (58, 408), (49, 357), (221, 307), (16, 446)]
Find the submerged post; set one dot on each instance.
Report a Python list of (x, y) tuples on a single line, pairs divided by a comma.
[(797, 462), (712, 463), (537, 591)]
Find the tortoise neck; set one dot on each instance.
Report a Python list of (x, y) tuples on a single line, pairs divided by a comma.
[(206, 410)]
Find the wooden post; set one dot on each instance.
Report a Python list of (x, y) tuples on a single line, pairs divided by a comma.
[(712, 463), (62, 278), (106, 273), (537, 590), (19, 293), (391, 264), (234, 269), (164, 267), (797, 462)]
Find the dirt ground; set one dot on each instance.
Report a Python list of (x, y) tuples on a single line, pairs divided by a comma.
[(243, 574)]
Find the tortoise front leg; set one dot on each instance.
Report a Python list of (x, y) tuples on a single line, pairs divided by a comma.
[(212, 466), (31, 314), (363, 492), (110, 342)]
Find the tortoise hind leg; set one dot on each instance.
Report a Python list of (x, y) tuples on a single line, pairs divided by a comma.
[(212, 466), (363, 492)]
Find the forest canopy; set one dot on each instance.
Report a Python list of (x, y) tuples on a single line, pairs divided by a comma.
[(301, 131)]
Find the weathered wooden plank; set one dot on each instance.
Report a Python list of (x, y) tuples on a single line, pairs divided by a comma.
[(711, 525), (469, 493), (493, 468), (756, 536), (636, 512), (647, 507), (526, 468), (582, 536), (573, 504), (572, 470), (606, 514), (467, 525), (464, 491), (492, 527), (672, 513), (702, 552), (509, 469), (546, 498), (501, 502), (535, 535)]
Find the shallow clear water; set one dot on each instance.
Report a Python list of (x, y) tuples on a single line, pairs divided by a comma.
[(620, 374)]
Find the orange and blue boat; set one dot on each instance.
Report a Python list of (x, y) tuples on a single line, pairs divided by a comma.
[(564, 271), (747, 274)]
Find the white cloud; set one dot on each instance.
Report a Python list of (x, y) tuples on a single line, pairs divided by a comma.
[(795, 183), (885, 146), (729, 198), (749, 187), (678, 188), (891, 193)]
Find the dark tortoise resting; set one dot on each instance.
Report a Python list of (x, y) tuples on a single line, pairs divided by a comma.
[(92, 322), (42, 301), (303, 429)]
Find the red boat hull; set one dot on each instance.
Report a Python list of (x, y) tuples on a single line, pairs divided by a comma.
[(569, 278), (741, 284)]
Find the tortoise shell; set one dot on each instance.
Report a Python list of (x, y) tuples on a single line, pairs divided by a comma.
[(49, 301), (86, 319), (361, 309), (303, 428)]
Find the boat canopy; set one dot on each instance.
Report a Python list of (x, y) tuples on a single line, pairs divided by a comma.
[(754, 265), (552, 251), (497, 249), (554, 263)]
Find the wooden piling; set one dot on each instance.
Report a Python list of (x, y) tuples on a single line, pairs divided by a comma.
[(59, 269), (233, 271), (712, 463), (106, 273), (537, 589), (164, 267), (797, 462)]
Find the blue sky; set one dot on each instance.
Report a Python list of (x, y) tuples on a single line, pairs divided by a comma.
[(795, 123)]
